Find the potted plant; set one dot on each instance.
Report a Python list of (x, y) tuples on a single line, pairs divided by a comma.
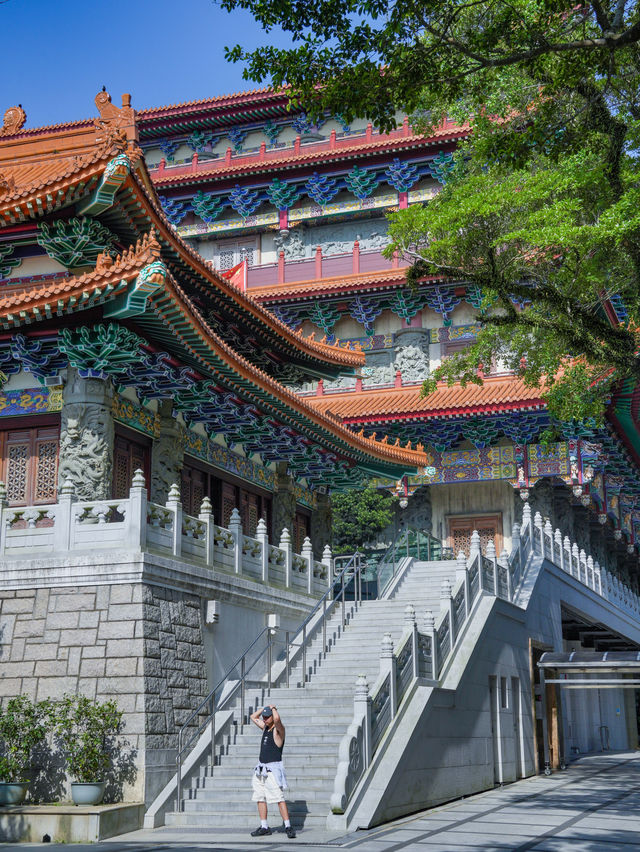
[(23, 726), (86, 731)]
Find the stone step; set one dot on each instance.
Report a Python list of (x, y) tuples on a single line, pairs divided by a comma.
[(216, 820), (228, 806)]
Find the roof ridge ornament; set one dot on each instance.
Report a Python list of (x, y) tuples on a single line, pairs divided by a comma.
[(116, 127), (14, 119)]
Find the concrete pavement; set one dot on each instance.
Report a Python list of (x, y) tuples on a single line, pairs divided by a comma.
[(592, 807)]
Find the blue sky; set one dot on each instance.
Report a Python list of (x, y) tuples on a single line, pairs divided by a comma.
[(56, 56)]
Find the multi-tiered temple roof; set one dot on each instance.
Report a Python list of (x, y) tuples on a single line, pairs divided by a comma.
[(133, 302)]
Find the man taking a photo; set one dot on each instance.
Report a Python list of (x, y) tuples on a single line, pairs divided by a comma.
[(269, 779)]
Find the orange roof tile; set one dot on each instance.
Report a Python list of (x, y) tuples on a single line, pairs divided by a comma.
[(151, 112), (379, 404), (335, 285)]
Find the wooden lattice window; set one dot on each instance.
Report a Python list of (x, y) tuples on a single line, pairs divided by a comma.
[(129, 455), (489, 528), (194, 487), (249, 512), (29, 464), (301, 529)]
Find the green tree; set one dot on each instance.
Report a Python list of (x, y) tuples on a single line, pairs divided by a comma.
[(540, 210), (358, 516)]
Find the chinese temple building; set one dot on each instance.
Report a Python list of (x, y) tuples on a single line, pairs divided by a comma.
[(201, 340), (298, 211), (144, 397)]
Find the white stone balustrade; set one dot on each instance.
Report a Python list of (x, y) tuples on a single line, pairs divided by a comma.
[(425, 654), (136, 524)]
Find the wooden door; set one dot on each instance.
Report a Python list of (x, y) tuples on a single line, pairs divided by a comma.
[(489, 528)]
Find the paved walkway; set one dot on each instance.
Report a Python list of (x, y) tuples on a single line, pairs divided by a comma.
[(592, 807)]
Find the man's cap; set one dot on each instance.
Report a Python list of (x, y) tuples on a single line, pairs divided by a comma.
[(267, 712)]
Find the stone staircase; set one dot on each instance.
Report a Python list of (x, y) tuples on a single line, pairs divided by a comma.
[(316, 717)]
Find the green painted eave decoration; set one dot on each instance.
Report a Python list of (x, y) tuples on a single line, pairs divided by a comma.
[(113, 177), (134, 301), (7, 263), (100, 351), (75, 242)]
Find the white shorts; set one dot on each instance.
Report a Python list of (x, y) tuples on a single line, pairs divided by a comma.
[(266, 789)]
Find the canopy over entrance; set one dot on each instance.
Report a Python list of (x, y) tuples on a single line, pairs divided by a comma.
[(585, 670)]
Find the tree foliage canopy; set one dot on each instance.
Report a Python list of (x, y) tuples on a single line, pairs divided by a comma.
[(358, 516), (541, 211)]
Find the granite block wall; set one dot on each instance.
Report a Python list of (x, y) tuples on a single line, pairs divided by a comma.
[(138, 644)]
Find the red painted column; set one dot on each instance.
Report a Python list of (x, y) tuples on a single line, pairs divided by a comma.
[(296, 145), (320, 388), (358, 385), (395, 262), (369, 132), (398, 381), (194, 162), (283, 220), (406, 130), (161, 166), (281, 268), (356, 256), (263, 151), (318, 261), (403, 200), (332, 139), (227, 157)]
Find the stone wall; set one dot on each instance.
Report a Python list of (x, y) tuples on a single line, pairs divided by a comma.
[(138, 644)]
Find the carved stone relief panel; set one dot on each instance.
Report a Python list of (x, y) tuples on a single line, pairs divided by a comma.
[(86, 437), (167, 455)]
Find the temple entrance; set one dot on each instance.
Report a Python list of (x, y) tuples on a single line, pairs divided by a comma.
[(461, 527)]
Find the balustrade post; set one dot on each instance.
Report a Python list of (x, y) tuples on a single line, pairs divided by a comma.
[(557, 542), (362, 710), (206, 516), (566, 555), (526, 519), (474, 553), (590, 582), (388, 665), (538, 529), (575, 561), (548, 539), (3, 505), (285, 544), (598, 580), (64, 516), (463, 574), (327, 561), (516, 542), (430, 630), (504, 562), (307, 555), (446, 605), (235, 528), (583, 567), (410, 624), (491, 556), (263, 538), (136, 516), (175, 506)]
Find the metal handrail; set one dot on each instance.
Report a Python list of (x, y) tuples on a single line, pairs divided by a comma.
[(210, 700), (401, 547), (353, 565)]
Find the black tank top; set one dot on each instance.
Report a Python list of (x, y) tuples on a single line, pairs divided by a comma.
[(269, 751)]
